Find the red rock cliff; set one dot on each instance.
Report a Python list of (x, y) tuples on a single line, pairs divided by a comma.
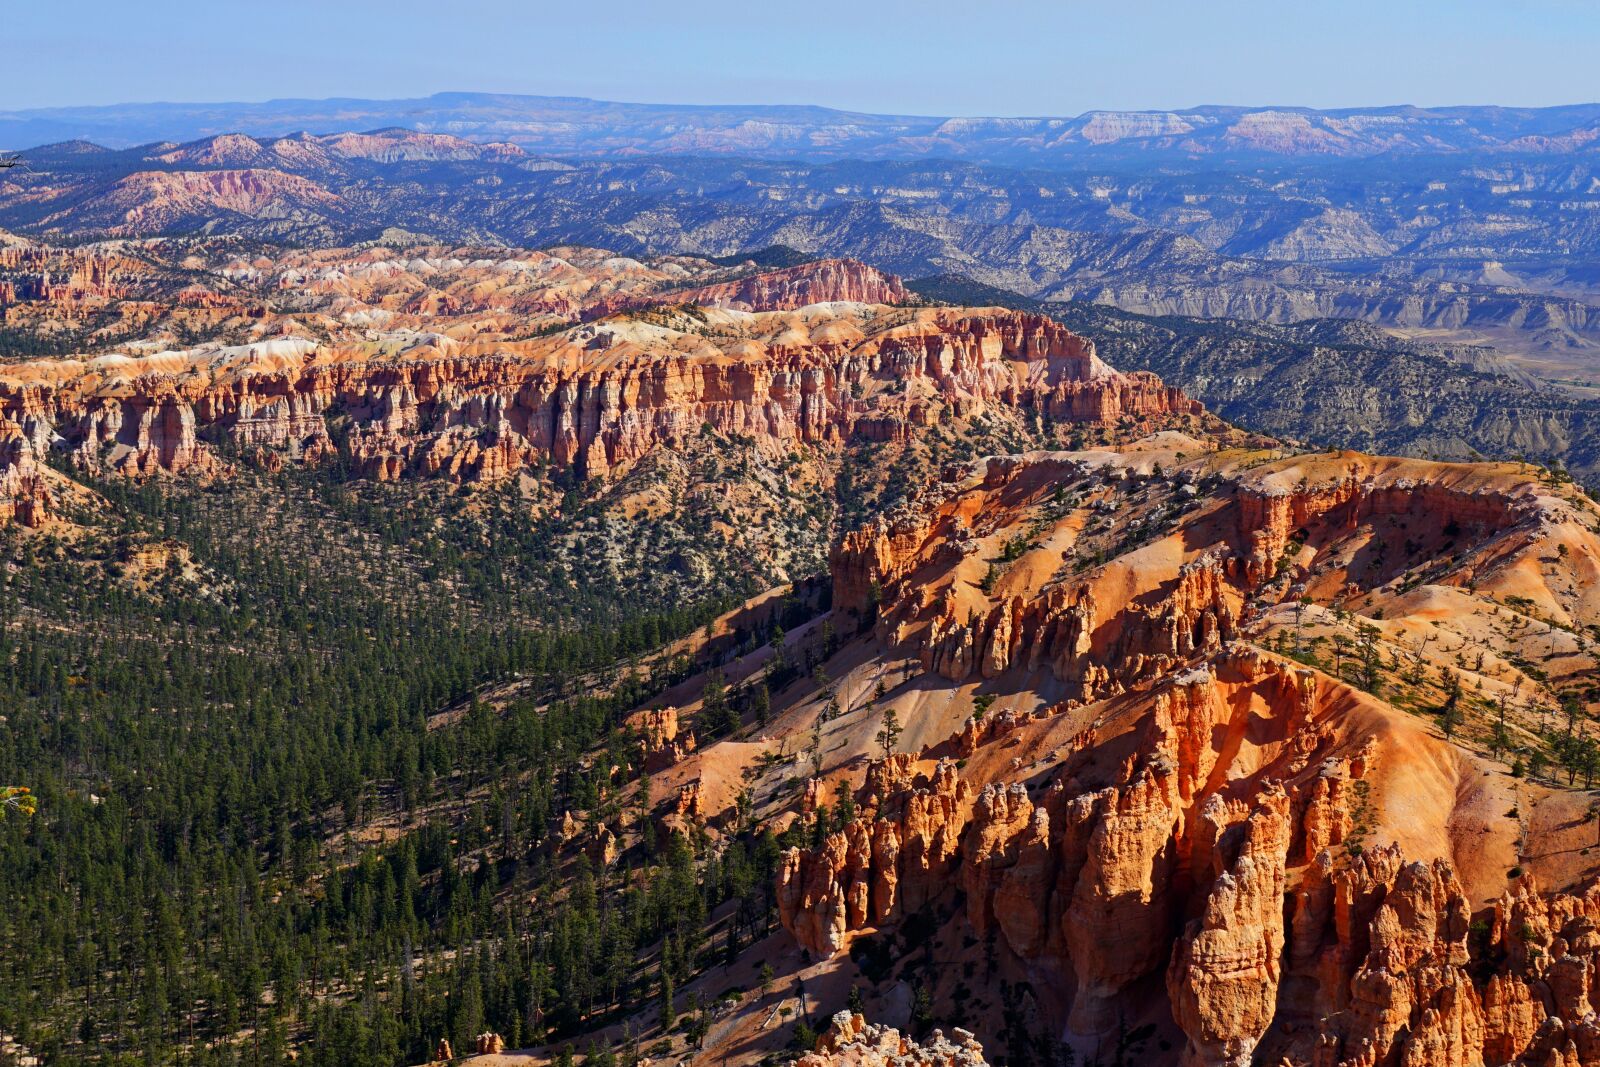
[(1322, 880), (594, 400)]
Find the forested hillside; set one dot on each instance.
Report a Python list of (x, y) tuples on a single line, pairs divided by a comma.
[(222, 698)]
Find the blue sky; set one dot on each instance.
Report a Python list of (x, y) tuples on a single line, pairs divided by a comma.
[(870, 55)]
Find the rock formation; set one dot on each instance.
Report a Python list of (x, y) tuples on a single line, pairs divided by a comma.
[(1226, 967), (1320, 879), (872, 871), (593, 400), (663, 742), (851, 1041), (820, 282), (25, 496)]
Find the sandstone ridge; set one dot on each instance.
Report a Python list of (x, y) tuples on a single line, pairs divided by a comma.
[(1307, 874)]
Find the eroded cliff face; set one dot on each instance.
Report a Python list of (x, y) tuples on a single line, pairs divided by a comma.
[(1226, 968), (1359, 958), (661, 740), (477, 364), (25, 496), (1274, 860), (593, 400), (63, 278), (873, 871), (1089, 880)]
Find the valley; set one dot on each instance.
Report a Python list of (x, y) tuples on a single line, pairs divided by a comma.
[(549, 582), (557, 652)]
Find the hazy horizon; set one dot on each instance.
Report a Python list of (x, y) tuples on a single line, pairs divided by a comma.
[(939, 59), (1284, 105)]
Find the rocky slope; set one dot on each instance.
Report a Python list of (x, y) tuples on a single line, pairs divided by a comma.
[(138, 295), (1339, 381), (817, 282), (851, 1040), (155, 202), (1170, 751), (1200, 752), (593, 401)]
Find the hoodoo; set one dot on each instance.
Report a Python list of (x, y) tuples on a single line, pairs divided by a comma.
[(1202, 822), (809, 354)]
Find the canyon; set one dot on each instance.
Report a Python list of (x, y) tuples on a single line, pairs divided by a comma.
[(1112, 731), (1050, 572), (1124, 775), (1475, 261)]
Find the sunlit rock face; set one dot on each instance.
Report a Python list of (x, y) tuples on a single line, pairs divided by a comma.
[(1274, 861), (417, 366)]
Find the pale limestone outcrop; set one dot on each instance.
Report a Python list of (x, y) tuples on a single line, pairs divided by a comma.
[(851, 1041)]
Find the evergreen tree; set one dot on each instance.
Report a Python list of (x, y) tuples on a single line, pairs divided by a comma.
[(889, 732), (669, 1013)]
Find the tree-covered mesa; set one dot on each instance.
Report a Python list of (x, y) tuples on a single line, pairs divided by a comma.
[(278, 809)]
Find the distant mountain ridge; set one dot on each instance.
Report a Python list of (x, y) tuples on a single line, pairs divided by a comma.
[(576, 126)]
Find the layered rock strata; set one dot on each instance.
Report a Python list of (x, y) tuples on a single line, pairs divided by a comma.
[(594, 400), (1281, 864), (824, 281)]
